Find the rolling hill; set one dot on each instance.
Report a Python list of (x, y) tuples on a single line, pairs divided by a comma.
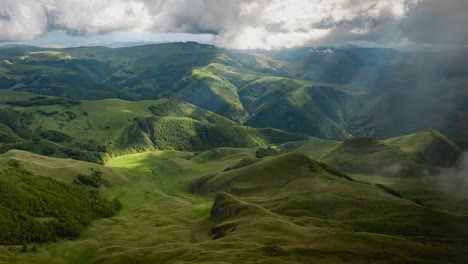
[(187, 153), (285, 209), (95, 130), (324, 92), (292, 193), (418, 154)]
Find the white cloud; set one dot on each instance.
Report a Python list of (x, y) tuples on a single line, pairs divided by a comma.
[(22, 20), (98, 16), (243, 24)]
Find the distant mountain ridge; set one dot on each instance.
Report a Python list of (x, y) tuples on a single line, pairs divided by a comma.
[(326, 92), (94, 130)]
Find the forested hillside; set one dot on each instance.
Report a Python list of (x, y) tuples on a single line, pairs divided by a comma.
[(40, 209), (325, 92)]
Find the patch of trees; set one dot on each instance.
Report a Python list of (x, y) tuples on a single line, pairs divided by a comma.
[(389, 190), (55, 136), (44, 101), (266, 152), (91, 145), (48, 114), (71, 115), (332, 170), (275, 136), (94, 179), (189, 134), (164, 108), (7, 135), (83, 155), (47, 148), (41, 209), (19, 122)]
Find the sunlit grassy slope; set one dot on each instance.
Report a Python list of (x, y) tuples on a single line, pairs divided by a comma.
[(412, 155), (229, 83), (314, 148), (94, 130), (428, 146), (337, 91), (394, 159), (60, 169), (287, 209), (261, 100)]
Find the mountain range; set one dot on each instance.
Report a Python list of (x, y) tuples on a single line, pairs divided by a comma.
[(189, 153), (331, 93)]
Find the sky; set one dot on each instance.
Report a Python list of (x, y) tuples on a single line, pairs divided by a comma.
[(236, 24)]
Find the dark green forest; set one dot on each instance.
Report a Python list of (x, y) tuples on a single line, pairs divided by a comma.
[(41, 209)]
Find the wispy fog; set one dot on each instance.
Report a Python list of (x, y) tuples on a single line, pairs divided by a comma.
[(455, 180)]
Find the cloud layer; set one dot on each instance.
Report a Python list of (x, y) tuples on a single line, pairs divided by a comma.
[(246, 24)]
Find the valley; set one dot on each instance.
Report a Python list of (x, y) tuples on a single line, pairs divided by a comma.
[(314, 213), (189, 153), (330, 93)]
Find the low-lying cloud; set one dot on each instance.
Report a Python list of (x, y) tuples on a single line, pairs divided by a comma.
[(246, 24), (455, 180)]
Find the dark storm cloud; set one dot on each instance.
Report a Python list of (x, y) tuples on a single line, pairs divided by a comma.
[(437, 22), (5, 14)]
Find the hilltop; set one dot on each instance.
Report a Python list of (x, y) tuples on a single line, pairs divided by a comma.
[(325, 92), (287, 208), (95, 130), (184, 152)]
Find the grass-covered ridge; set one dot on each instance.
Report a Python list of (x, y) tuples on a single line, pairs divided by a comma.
[(168, 126), (222, 81), (293, 188), (94, 130), (412, 155), (64, 170), (323, 92), (286, 209)]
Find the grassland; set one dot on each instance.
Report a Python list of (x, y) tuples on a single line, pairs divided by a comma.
[(231, 84), (288, 209), (59, 169), (338, 92), (94, 130), (187, 198)]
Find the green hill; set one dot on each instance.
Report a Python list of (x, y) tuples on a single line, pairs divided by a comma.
[(264, 177), (366, 155), (93, 130), (289, 196), (324, 92), (264, 101), (306, 108), (175, 133), (412, 155), (429, 147), (286, 209), (313, 148), (242, 86), (64, 170), (407, 155)]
